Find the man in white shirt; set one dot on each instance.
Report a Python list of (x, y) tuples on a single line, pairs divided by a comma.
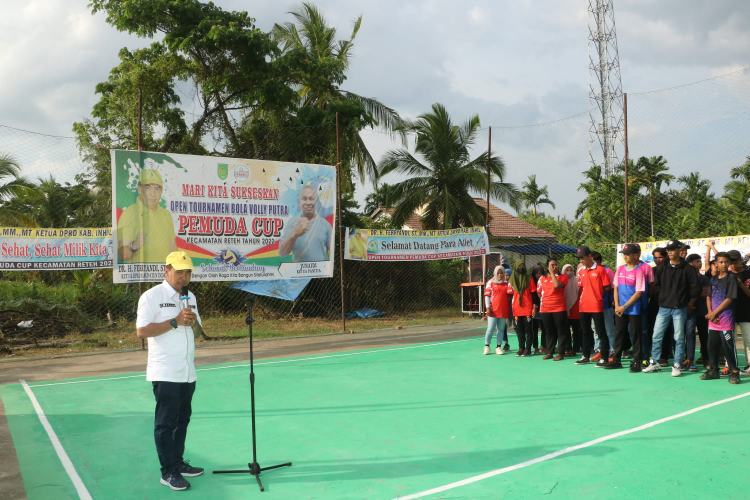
[(166, 316)]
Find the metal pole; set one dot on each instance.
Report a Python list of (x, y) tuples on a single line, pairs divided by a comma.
[(627, 219), (487, 210), (338, 210), (139, 146)]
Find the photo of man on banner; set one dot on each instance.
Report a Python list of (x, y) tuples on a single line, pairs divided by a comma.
[(306, 237), (145, 231)]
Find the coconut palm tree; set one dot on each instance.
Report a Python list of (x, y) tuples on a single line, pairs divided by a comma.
[(533, 195), (651, 173), (694, 186), (742, 173), (382, 197), (442, 176), (311, 41), (11, 181)]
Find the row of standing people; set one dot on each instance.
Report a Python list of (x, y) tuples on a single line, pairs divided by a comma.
[(650, 313)]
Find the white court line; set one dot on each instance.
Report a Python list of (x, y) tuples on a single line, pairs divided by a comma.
[(312, 358), (565, 451), (83, 493)]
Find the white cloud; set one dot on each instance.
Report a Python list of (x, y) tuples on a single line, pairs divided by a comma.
[(512, 62)]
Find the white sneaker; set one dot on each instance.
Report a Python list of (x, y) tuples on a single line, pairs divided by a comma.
[(652, 367), (486, 349), (676, 371), (499, 351)]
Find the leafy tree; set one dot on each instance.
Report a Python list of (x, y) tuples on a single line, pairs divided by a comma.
[(382, 197), (51, 204), (322, 62), (443, 177), (11, 182), (602, 210), (651, 173), (533, 195)]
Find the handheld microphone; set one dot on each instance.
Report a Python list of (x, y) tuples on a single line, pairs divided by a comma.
[(185, 298)]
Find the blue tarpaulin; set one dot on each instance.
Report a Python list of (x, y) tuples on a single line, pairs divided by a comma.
[(279, 289), (364, 314), (538, 248)]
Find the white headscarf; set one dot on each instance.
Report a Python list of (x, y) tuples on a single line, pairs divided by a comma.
[(571, 289)]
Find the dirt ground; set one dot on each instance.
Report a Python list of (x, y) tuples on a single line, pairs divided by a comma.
[(101, 364)]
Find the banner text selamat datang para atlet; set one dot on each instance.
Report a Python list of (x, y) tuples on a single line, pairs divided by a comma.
[(400, 245), (238, 219)]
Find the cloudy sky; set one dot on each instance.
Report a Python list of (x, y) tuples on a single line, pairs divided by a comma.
[(513, 62)]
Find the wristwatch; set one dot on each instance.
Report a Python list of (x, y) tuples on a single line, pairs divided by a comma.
[(173, 322)]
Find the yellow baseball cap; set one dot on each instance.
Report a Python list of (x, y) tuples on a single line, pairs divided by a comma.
[(150, 176), (179, 261)]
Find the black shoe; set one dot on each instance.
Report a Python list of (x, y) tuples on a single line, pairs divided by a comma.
[(710, 375), (734, 377), (613, 365), (635, 367), (602, 363), (175, 481), (506, 348), (583, 361), (187, 470)]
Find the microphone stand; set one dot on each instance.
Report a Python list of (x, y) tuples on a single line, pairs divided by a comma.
[(253, 468)]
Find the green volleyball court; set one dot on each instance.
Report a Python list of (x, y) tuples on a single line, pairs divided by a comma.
[(438, 420)]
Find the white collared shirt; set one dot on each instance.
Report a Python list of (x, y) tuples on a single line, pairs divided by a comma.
[(171, 355)]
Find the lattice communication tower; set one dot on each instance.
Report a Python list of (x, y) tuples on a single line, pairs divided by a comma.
[(605, 89)]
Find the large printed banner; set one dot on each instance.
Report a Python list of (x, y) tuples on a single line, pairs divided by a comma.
[(391, 244), (238, 219), (697, 245), (34, 249)]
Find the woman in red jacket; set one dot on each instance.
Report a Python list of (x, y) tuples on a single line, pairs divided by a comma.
[(524, 290), (553, 308)]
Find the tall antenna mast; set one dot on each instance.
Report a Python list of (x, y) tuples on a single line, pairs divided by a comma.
[(605, 91)]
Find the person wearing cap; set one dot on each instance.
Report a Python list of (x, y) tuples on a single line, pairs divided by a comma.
[(629, 286), (145, 231), (593, 282), (660, 257), (696, 320), (678, 287), (168, 318)]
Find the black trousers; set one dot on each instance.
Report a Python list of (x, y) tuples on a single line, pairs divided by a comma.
[(701, 324), (171, 419), (575, 329), (523, 332), (556, 328), (624, 324), (588, 333), (536, 324), (724, 342)]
